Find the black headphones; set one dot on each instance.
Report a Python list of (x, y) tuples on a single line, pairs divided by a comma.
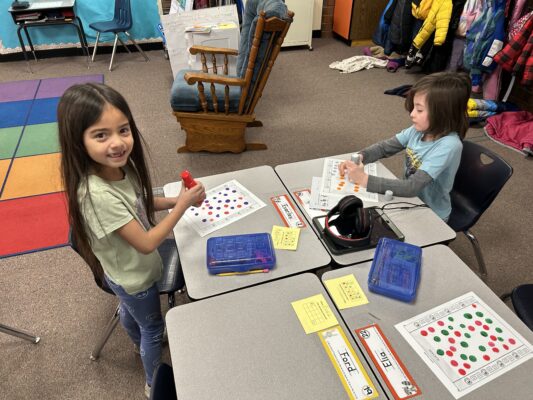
[(353, 223)]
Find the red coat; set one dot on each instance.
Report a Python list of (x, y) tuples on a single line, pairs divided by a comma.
[(517, 55), (514, 129)]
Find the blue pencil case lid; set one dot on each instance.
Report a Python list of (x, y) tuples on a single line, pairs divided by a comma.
[(240, 253), (395, 270)]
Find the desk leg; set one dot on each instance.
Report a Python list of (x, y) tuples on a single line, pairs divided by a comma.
[(23, 48), (83, 42), (83, 33), (29, 41), (80, 25)]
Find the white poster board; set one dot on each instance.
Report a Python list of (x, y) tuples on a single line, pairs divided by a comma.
[(178, 6), (175, 25)]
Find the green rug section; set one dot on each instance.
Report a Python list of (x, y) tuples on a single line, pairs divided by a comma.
[(39, 139), (9, 138)]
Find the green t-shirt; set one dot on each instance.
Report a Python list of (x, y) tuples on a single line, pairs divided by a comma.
[(109, 206)]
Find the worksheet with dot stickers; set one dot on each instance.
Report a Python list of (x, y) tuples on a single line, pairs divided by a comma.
[(222, 206), (465, 343), (333, 185)]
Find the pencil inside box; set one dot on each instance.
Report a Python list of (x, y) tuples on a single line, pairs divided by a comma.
[(240, 253)]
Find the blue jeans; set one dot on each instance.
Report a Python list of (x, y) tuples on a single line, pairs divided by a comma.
[(140, 315)]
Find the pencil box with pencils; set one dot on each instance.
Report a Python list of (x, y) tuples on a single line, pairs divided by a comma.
[(240, 253), (395, 270)]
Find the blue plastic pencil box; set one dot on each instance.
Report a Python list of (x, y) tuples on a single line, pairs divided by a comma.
[(395, 270), (240, 253)]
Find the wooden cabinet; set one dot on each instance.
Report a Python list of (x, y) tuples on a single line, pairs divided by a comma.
[(301, 30), (356, 20)]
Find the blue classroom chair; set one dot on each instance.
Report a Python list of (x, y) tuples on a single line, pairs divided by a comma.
[(121, 23), (480, 177), (171, 281)]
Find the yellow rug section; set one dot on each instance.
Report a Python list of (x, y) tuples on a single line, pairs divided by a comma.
[(30, 176), (4, 165)]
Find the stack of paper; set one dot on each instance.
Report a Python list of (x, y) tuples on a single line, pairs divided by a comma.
[(326, 191)]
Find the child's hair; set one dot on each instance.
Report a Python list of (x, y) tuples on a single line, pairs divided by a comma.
[(80, 107), (447, 95)]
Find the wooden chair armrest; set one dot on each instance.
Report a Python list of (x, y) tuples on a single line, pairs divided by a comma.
[(194, 77), (212, 50)]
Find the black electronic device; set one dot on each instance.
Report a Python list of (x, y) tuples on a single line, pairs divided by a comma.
[(20, 5), (349, 224), (382, 226)]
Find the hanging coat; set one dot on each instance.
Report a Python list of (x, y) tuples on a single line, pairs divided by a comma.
[(437, 21), (401, 26), (517, 56), (420, 8)]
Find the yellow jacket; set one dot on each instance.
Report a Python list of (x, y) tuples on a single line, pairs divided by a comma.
[(437, 21), (421, 11)]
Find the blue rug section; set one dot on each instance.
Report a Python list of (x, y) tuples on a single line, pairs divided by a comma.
[(43, 111), (14, 113)]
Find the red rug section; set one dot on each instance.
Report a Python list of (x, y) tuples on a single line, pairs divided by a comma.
[(33, 223)]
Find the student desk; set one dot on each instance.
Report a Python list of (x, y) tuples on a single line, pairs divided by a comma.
[(444, 277), (250, 344), (59, 12), (420, 226), (264, 183)]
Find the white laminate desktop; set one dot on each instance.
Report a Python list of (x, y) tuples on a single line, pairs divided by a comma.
[(264, 183), (444, 277), (249, 344), (420, 226)]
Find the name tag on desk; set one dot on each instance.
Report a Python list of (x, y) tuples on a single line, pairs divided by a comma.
[(287, 211), (392, 370)]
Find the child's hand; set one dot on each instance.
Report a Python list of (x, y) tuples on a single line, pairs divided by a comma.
[(193, 196), (343, 166), (355, 173)]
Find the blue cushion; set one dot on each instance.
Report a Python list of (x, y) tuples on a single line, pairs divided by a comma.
[(272, 8), (184, 97)]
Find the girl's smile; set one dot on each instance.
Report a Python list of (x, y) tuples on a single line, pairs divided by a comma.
[(109, 143)]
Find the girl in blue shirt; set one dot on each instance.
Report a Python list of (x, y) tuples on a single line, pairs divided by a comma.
[(438, 108)]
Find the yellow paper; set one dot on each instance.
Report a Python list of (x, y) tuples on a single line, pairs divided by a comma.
[(226, 25), (314, 313), (346, 292), (285, 238)]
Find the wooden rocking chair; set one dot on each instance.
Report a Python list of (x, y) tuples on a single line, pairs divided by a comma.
[(215, 120)]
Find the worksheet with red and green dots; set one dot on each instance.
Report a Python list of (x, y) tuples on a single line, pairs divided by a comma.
[(465, 343)]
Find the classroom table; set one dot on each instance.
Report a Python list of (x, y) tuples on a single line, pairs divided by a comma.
[(60, 12), (420, 226), (249, 344), (443, 277), (264, 183)]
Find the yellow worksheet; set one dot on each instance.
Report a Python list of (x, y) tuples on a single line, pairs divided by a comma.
[(285, 238), (346, 292), (314, 313)]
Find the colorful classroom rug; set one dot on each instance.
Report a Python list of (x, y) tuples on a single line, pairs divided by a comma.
[(33, 213)]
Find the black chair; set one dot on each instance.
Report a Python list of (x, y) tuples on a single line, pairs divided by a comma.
[(19, 333), (522, 298), (163, 387), (481, 176), (121, 23), (171, 281)]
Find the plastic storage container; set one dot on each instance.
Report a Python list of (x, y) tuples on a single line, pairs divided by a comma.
[(395, 270), (240, 253)]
